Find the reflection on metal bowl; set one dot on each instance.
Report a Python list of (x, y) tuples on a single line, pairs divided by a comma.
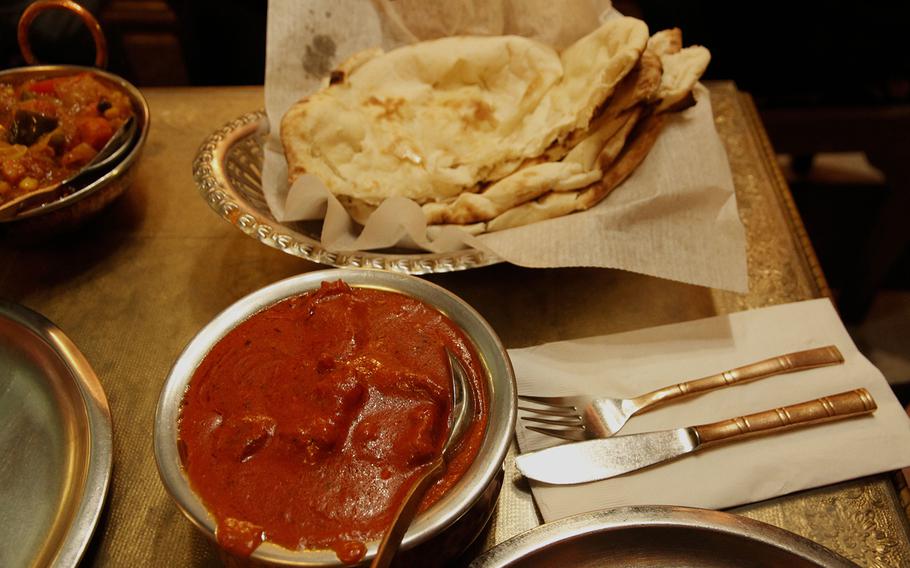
[(658, 536), (446, 528), (56, 443), (73, 209)]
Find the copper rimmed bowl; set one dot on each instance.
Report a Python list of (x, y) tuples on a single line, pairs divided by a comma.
[(84, 201), (71, 210), (442, 531)]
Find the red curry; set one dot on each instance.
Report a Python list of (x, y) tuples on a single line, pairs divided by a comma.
[(306, 424)]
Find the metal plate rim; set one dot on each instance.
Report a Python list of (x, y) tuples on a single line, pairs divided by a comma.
[(596, 524), (226, 201), (100, 443)]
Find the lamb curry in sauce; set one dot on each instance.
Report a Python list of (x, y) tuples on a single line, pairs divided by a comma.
[(306, 423)]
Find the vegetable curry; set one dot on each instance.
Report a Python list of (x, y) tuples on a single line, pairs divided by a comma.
[(50, 128)]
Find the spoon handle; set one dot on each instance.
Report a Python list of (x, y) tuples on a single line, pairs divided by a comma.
[(405, 514)]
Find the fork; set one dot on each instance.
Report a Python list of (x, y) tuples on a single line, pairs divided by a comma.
[(582, 417)]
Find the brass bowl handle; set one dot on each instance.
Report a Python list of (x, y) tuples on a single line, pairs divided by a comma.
[(30, 13)]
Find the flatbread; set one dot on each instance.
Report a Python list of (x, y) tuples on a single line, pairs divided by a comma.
[(551, 205), (557, 204), (580, 168), (681, 71), (665, 42), (434, 119), (632, 155), (576, 162), (584, 158), (488, 133), (638, 87)]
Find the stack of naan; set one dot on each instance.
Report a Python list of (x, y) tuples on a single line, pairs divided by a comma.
[(490, 133)]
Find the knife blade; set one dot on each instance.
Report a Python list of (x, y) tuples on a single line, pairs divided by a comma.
[(594, 460)]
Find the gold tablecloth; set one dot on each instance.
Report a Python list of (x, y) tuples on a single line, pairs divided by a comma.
[(135, 285)]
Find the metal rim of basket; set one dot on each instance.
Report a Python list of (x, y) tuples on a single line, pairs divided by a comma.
[(209, 171)]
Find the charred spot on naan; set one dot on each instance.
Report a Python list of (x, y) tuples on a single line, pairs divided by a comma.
[(389, 109), (336, 77), (474, 113)]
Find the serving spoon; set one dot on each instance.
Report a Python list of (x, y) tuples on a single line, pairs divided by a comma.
[(459, 420), (109, 153)]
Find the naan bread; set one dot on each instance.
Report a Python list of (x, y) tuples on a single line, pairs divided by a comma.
[(434, 119), (488, 133), (575, 162), (680, 69), (582, 167), (626, 157)]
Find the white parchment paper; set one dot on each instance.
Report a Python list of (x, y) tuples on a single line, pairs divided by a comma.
[(675, 217)]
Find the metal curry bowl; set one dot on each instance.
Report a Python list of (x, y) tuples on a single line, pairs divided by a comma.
[(440, 533), (71, 210)]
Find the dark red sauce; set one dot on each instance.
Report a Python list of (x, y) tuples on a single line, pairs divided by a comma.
[(305, 425)]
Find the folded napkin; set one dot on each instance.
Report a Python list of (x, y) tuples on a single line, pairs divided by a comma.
[(629, 364)]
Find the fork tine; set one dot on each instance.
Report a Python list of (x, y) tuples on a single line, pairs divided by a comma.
[(575, 422), (546, 400), (575, 435), (563, 412)]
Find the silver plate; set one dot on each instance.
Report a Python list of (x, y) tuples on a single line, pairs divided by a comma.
[(658, 536), (55, 439), (228, 171)]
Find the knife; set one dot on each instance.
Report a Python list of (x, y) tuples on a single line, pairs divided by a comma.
[(593, 460)]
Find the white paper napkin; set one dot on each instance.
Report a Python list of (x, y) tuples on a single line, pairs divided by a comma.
[(632, 363)]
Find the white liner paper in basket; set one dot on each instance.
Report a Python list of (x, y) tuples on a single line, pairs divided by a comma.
[(675, 217)]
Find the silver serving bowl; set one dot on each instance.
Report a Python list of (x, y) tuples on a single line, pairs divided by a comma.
[(447, 527), (71, 210), (228, 172)]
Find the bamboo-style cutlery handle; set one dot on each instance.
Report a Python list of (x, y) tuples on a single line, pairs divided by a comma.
[(827, 408), (791, 362)]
